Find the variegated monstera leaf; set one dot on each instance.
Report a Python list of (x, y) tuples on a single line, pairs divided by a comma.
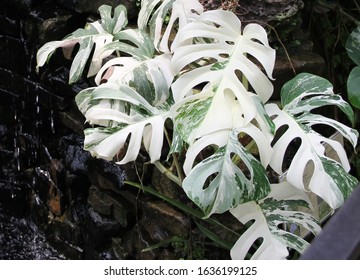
[(153, 15), (217, 183), (129, 110), (95, 35), (271, 218), (329, 179), (212, 51), (218, 47)]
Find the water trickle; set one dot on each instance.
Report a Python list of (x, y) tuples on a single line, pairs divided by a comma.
[(52, 121)]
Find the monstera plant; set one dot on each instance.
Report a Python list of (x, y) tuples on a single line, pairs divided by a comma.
[(210, 77)]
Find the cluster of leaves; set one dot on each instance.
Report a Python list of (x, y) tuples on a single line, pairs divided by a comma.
[(200, 70)]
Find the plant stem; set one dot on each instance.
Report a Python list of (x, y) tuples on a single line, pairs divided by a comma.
[(357, 5), (167, 172), (175, 158)]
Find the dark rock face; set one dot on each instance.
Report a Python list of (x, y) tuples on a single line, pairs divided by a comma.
[(86, 6)]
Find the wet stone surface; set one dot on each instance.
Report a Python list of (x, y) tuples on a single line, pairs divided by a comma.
[(21, 239)]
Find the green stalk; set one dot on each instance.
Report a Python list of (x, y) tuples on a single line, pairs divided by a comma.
[(167, 172)]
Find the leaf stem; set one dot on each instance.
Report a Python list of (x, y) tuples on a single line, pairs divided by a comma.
[(175, 159), (167, 172)]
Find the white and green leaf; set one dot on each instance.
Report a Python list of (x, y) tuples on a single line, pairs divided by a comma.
[(141, 46), (95, 36), (217, 183), (270, 217), (353, 45), (227, 46), (154, 13), (127, 131), (298, 120)]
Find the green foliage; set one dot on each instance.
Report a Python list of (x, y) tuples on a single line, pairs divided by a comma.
[(207, 82), (353, 82)]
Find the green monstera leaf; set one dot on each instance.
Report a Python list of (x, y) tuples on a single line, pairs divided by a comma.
[(329, 179), (353, 82), (95, 35)]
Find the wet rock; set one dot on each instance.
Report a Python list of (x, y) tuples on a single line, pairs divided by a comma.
[(72, 118), (49, 22), (136, 242), (20, 239), (159, 219), (39, 212), (107, 175), (13, 196), (8, 47), (98, 231), (54, 201), (56, 171), (165, 186), (17, 8), (106, 204), (102, 227), (75, 157), (66, 234), (9, 26), (118, 249), (100, 201), (56, 79), (91, 6), (78, 184)]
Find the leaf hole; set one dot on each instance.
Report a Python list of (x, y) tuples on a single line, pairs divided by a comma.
[(290, 152), (256, 41), (107, 74), (254, 247), (123, 150), (241, 165), (224, 55), (282, 226), (209, 180)]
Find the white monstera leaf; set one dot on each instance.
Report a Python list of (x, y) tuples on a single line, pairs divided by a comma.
[(270, 217), (217, 183), (122, 130), (224, 101), (153, 14), (329, 179), (130, 107), (134, 42), (151, 77), (217, 37), (95, 35)]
